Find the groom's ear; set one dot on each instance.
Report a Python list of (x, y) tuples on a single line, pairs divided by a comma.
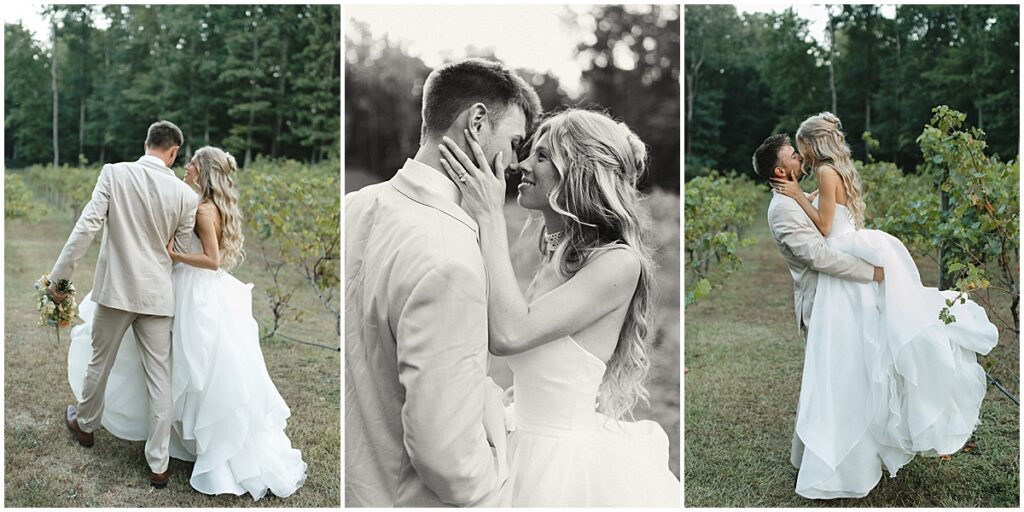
[(477, 117)]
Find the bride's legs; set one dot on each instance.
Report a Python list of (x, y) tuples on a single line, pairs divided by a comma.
[(153, 334)]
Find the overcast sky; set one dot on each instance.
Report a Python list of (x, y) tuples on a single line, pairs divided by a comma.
[(528, 36), (522, 36), (28, 13), (815, 13)]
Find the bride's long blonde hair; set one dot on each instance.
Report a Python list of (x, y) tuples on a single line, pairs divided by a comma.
[(599, 162), (216, 182), (821, 141)]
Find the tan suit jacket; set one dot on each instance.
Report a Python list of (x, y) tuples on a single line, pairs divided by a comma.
[(807, 253), (416, 384), (142, 205)]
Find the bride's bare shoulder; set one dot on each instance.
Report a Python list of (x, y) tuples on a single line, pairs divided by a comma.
[(208, 214), (618, 264), (826, 170), (208, 208)]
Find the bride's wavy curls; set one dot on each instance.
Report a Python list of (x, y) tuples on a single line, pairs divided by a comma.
[(217, 183), (599, 163), (825, 144)]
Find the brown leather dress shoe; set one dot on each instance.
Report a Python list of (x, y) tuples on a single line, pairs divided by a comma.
[(159, 480), (71, 421)]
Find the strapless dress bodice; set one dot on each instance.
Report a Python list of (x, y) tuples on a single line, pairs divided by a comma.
[(842, 221), (556, 386)]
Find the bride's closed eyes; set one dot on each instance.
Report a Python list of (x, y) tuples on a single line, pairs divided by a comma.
[(541, 150), (523, 150), (540, 153)]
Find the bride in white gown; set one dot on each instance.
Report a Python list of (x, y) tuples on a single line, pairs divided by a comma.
[(577, 339), (884, 378), (228, 416)]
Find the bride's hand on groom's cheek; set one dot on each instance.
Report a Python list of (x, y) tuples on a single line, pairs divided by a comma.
[(483, 188), (787, 188)]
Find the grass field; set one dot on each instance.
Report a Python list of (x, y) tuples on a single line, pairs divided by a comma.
[(664, 378), (744, 359), (44, 468)]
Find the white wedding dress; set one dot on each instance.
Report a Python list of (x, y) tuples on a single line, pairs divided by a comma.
[(228, 416), (884, 379), (563, 453)]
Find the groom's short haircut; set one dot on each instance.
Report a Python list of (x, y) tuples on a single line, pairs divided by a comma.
[(766, 157), (452, 89), (164, 135)]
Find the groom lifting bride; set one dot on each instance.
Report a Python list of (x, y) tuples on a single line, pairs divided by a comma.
[(884, 378)]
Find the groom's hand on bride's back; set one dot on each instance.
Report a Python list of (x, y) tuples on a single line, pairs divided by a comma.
[(879, 275)]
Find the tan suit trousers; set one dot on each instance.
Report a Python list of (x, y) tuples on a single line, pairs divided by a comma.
[(153, 335)]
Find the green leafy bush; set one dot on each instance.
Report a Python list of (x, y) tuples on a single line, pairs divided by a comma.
[(978, 233), (716, 210), (19, 201), (904, 205), (293, 215), (65, 188)]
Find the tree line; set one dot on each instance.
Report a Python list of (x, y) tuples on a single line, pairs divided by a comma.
[(384, 85), (751, 75), (253, 79)]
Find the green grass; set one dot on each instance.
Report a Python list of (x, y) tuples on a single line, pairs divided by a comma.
[(744, 359), (44, 468)]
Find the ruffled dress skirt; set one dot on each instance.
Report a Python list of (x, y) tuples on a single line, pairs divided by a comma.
[(884, 378), (563, 453), (612, 464), (228, 416)]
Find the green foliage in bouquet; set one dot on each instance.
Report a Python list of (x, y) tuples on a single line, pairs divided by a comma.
[(54, 313)]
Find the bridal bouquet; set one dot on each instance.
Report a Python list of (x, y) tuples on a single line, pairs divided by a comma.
[(53, 313)]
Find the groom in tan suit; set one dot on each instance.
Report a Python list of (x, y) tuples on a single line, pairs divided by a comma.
[(800, 242), (796, 237), (142, 205), (423, 424)]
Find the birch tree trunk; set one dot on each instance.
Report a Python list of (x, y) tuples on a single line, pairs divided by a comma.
[(832, 59), (53, 88)]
